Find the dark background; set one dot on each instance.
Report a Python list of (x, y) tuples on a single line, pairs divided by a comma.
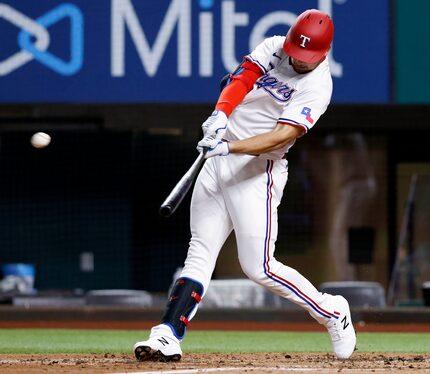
[(97, 187)]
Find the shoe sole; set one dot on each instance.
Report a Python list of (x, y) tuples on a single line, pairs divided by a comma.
[(146, 353)]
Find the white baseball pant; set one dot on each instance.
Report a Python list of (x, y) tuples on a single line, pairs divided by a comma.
[(242, 192)]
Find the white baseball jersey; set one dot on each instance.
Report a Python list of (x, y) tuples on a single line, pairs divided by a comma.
[(280, 96)]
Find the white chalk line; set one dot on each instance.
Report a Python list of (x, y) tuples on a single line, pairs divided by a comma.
[(253, 368), (241, 369)]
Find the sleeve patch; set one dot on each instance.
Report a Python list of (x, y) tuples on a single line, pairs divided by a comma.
[(307, 112)]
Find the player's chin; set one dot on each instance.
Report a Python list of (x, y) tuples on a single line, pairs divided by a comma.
[(302, 69)]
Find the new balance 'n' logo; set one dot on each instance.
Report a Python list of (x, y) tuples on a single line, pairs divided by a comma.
[(345, 324), (163, 341)]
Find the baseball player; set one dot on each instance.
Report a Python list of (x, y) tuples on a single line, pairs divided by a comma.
[(275, 96)]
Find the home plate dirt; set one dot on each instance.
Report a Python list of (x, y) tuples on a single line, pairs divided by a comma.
[(216, 363)]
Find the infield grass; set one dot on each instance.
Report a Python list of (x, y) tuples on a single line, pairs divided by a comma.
[(121, 341)]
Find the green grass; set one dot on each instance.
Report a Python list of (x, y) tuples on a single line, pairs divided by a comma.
[(121, 341)]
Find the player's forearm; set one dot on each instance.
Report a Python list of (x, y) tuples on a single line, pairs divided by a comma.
[(268, 142), (278, 138), (231, 97), (255, 145)]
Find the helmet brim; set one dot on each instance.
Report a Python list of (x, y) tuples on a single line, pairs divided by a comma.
[(303, 54)]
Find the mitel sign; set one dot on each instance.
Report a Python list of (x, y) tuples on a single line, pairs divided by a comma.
[(178, 16), (168, 51)]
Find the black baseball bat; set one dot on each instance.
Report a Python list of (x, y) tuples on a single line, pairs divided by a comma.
[(180, 190)]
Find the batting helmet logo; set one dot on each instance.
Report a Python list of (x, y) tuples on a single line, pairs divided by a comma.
[(305, 39)]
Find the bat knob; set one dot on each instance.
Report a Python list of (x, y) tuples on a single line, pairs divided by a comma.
[(165, 211)]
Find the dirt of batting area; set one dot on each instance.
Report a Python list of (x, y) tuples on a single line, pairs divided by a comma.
[(217, 363)]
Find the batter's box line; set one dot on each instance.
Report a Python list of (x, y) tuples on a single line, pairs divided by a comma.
[(240, 369)]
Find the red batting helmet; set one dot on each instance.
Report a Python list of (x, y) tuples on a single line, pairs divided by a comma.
[(309, 39)]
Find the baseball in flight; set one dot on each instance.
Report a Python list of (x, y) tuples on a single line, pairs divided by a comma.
[(40, 140)]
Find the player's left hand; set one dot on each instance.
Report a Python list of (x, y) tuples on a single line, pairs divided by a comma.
[(215, 125), (215, 147)]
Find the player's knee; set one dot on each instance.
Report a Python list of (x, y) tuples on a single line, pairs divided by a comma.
[(254, 273), (259, 271)]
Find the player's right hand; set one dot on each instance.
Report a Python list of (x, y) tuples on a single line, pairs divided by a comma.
[(213, 147), (216, 125)]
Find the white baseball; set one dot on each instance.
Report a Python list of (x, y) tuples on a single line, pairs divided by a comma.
[(40, 140)]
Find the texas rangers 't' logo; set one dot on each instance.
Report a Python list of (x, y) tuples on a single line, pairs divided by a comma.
[(305, 39)]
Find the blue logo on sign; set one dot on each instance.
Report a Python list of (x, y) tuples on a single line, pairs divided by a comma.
[(206, 4), (76, 40)]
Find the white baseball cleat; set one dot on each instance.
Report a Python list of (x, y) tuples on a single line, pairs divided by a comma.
[(341, 331), (162, 345)]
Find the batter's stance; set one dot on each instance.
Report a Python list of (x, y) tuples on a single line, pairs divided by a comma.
[(274, 97)]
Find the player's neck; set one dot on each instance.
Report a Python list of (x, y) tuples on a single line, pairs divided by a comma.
[(299, 69)]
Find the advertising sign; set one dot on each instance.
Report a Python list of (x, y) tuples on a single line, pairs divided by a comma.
[(132, 51)]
